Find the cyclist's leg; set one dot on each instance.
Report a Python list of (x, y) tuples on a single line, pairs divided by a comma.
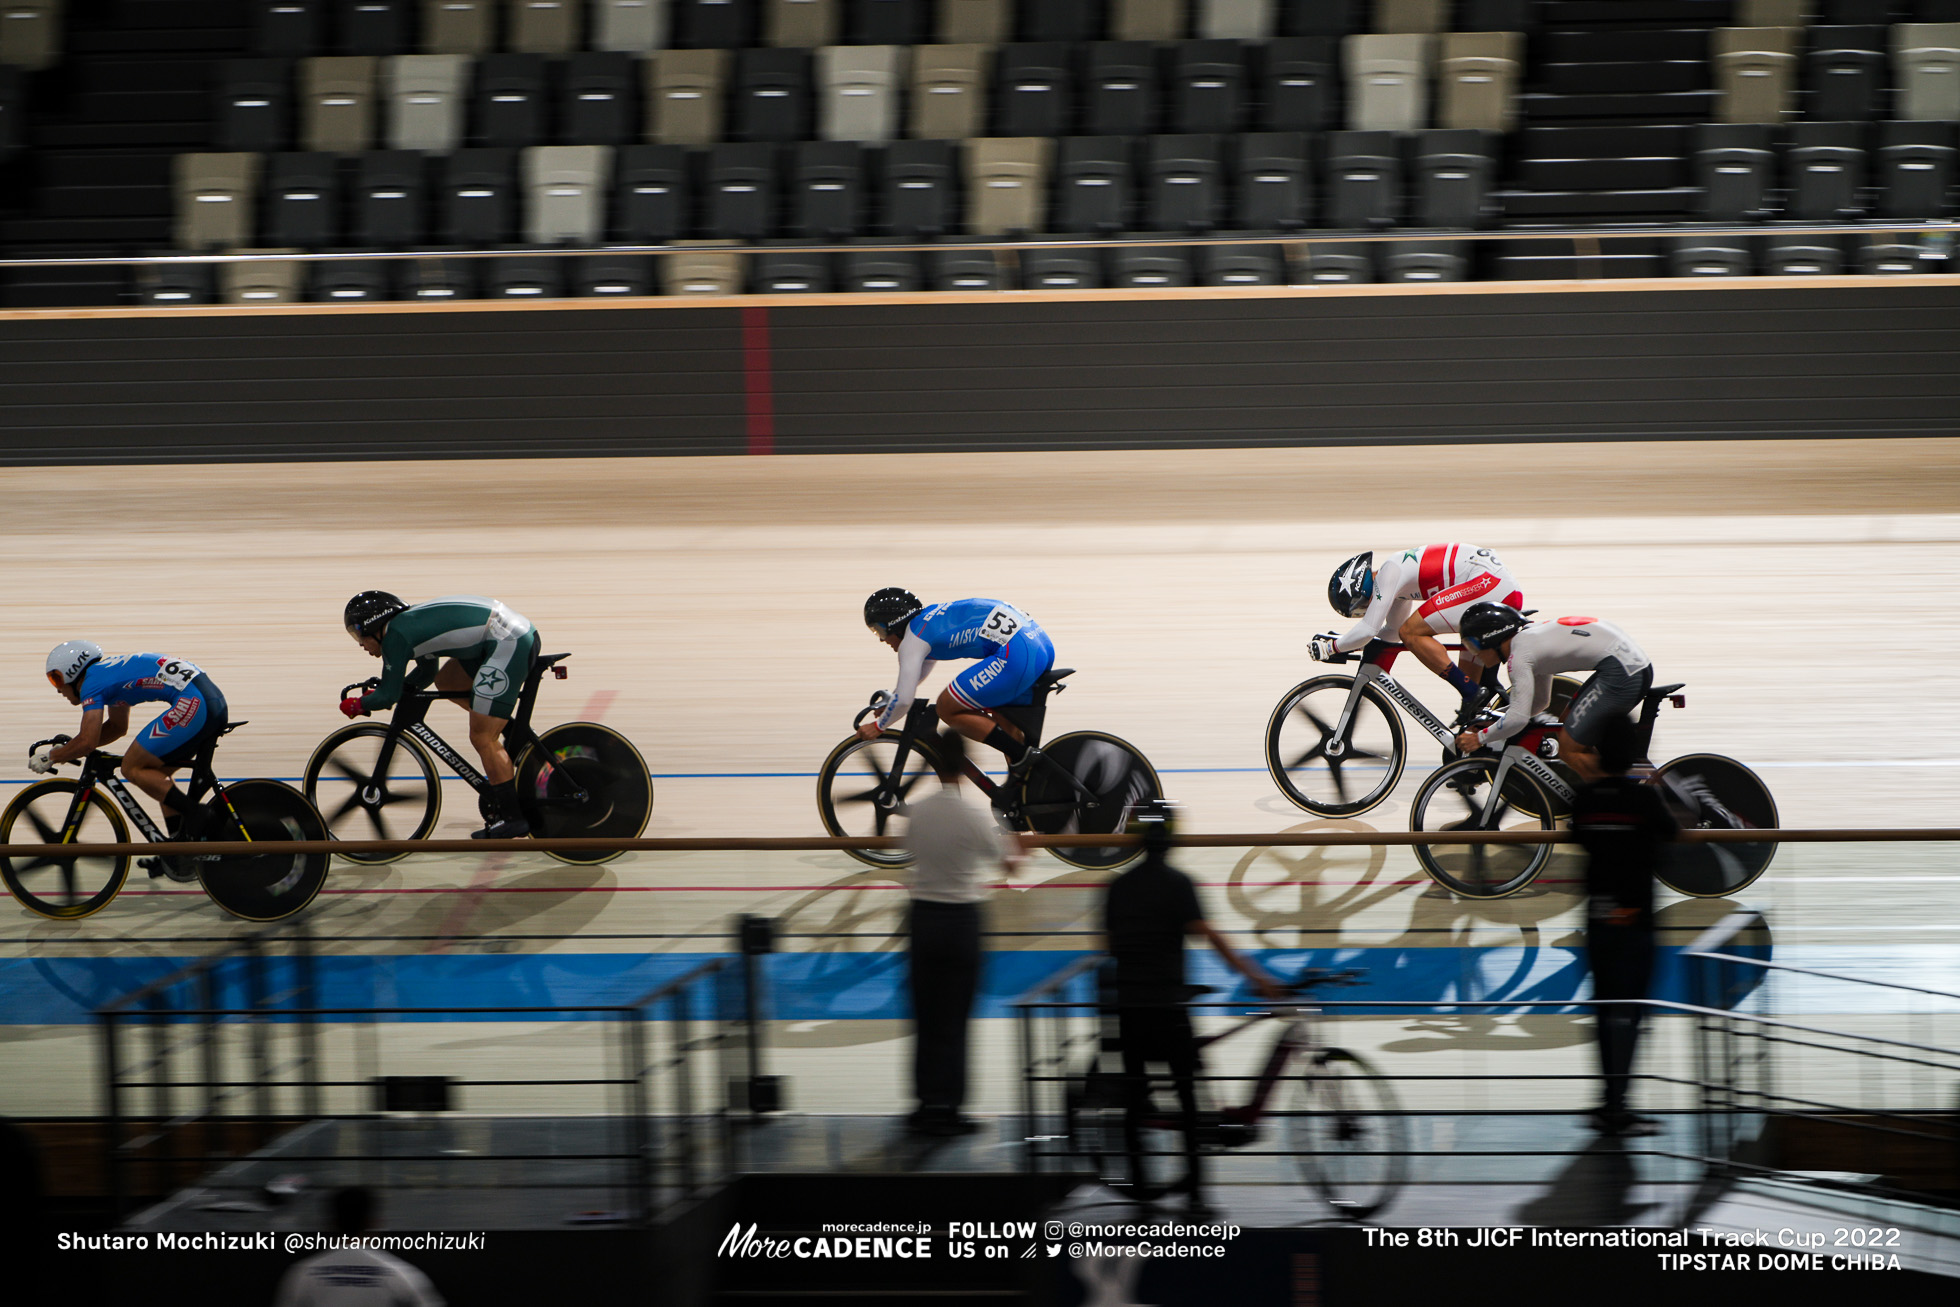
[(168, 743), (495, 684), (1612, 691), (968, 701)]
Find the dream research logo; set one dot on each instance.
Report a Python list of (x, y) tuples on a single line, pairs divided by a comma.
[(491, 682)]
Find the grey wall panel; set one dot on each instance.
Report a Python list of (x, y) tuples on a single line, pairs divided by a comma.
[(1832, 361), (576, 382)]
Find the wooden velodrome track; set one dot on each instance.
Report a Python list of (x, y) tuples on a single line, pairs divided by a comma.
[(1799, 588)]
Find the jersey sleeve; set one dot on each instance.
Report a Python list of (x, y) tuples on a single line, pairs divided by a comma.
[(396, 657), (913, 664), (1525, 690), (1388, 588)]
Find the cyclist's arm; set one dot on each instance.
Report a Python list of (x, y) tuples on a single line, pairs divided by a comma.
[(400, 671), (913, 664), (88, 736), (1388, 590), (1525, 700), (1236, 960)]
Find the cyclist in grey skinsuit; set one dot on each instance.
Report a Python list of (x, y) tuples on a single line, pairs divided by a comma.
[(489, 649)]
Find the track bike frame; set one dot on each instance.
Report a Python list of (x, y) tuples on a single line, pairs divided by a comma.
[(919, 724), (1376, 657), (1521, 754), (99, 771), (518, 735)]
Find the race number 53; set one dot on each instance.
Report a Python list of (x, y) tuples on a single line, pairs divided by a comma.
[(1001, 624)]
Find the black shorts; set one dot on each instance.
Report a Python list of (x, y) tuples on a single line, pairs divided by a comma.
[(1612, 691)]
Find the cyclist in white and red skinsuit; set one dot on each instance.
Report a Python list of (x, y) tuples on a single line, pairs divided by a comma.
[(1414, 596)]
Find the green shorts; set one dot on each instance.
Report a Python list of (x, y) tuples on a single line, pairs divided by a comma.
[(497, 670)]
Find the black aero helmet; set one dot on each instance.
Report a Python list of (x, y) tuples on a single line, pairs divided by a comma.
[(370, 609), (1352, 585), (1155, 820), (888, 607), (1486, 626)]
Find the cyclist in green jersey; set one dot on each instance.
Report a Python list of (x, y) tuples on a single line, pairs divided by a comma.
[(485, 652)]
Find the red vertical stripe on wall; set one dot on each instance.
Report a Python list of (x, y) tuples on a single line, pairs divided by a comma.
[(756, 381)]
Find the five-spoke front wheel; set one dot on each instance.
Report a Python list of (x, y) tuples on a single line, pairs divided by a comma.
[(1328, 771), (859, 794)]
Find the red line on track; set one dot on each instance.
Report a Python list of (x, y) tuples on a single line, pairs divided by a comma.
[(757, 384)]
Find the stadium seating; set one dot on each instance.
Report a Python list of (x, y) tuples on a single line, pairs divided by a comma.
[(702, 268), (268, 281), (1755, 72), (920, 199), (1845, 74), (1388, 82), (466, 27), (1453, 168), (1092, 185), (1915, 170), (974, 22), (1121, 93), (858, 91), (303, 200), (1148, 20), (1184, 184), (1207, 87), (479, 198), (1033, 91), (771, 96), (1275, 182), (291, 29), (804, 24), (827, 190), (1006, 185), (254, 105), (741, 192), (629, 25), (1927, 70), (566, 188), (1364, 180), (599, 102), (427, 95), (337, 95), (391, 200), (373, 27), (13, 102), (653, 196), (548, 27), (889, 22), (613, 274), (949, 91), (341, 281), (683, 96), (510, 104), (216, 194), (1297, 87), (30, 34), (1825, 172), (1733, 167), (1477, 76)]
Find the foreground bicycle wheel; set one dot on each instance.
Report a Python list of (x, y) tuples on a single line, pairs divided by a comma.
[(267, 886), (1454, 799), (357, 802), (858, 797), (587, 781), (1326, 774), (1347, 1133), (66, 889), (1720, 794), (1118, 779)]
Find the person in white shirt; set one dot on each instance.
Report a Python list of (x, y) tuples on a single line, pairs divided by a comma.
[(957, 849), (355, 1277), (1535, 652)]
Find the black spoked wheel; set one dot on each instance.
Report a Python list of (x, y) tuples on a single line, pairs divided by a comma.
[(587, 781), (859, 796), (1088, 784), (1458, 798), (1334, 774), (65, 889), (1716, 793), (1347, 1133), (266, 886), (358, 801)]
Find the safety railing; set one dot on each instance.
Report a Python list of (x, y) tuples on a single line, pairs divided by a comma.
[(236, 1067)]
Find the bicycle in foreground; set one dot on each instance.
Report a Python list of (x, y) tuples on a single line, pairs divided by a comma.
[(1336, 1115), (60, 810), (378, 780), (1522, 787), (1335, 744), (1084, 783)]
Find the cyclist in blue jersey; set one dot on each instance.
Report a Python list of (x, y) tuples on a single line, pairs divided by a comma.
[(1010, 651), (104, 688)]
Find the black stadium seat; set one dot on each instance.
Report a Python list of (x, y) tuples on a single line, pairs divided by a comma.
[(1453, 168), (1207, 87), (302, 201), (479, 197), (1092, 184), (771, 95), (1060, 20), (827, 190), (1120, 89), (13, 107), (888, 22), (1061, 270), (510, 101), (885, 272), (741, 191), (921, 199), (342, 281), (1185, 183), (1297, 85), (1275, 182), (1915, 170), (1324, 17), (1150, 266), (379, 27), (1033, 92), (254, 109), (1846, 74), (652, 197), (391, 199), (781, 272), (1825, 171), (438, 279), (613, 274), (712, 24), (1364, 180), (289, 29), (600, 99), (1733, 168)]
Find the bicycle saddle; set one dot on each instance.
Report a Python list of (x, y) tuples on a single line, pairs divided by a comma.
[(1053, 677), (1660, 692), (232, 726), (548, 660)]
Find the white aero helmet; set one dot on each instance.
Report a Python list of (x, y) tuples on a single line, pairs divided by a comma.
[(70, 659)]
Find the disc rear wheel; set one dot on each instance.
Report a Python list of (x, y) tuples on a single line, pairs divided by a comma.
[(585, 781), (1089, 783), (265, 886), (1715, 793)]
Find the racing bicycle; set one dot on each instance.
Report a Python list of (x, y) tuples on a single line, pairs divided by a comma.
[(378, 781), (1520, 787), (1083, 783), (1335, 745), (1338, 1118), (257, 887)]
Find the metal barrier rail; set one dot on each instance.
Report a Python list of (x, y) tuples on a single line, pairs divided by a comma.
[(1060, 241), (657, 1042), (806, 843), (1738, 1112)]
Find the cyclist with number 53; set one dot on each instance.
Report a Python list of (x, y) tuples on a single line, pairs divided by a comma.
[(489, 650), (105, 688), (1011, 649)]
